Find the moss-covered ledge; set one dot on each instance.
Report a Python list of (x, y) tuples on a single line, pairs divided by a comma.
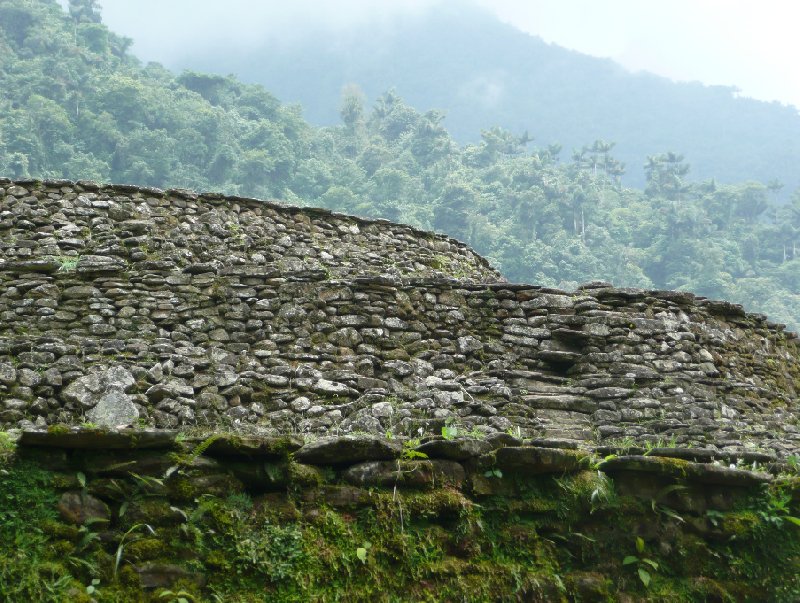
[(129, 515)]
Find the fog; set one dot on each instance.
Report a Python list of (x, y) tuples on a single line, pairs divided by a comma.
[(169, 31), (726, 42)]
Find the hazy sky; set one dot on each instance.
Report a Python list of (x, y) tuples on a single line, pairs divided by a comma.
[(743, 43)]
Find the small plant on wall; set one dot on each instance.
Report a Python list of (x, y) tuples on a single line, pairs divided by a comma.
[(642, 564)]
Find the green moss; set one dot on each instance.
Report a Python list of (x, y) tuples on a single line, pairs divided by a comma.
[(7, 447), (153, 511), (57, 529), (306, 476), (740, 524), (65, 481), (58, 429), (62, 548), (538, 538), (145, 549), (441, 503), (128, 576), (183, 490)]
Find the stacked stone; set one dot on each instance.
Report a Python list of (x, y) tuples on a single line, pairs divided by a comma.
[(121, 305), (95, 229)]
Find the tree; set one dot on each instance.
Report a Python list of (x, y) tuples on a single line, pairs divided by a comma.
[(351, 108), (452, 209), (85, 11), (665, 175)]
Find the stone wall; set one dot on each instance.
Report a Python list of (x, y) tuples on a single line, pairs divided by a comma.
[(363, 518), (121, 305), (108, 229)]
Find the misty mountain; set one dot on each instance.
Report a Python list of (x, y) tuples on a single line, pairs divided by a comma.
[(76, 104), (485, 73)]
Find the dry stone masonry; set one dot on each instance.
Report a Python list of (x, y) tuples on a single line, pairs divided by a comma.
[(128, 306)]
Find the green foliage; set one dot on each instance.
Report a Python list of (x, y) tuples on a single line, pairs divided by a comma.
[(67, 263), (540, 220), (516, 80), (7, 447), (180, 596), (188, 459), (450, 431), (128, 537), (776, 507), (409, 450), (642, 564), (361, 552), (544, 538), (26, 500), (27, 503)]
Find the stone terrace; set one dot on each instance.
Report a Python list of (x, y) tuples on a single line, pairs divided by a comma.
[(121, 305)]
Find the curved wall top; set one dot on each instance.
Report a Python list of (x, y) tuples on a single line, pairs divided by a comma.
[(121, 305)]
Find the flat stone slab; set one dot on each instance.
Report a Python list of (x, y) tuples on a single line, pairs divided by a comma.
[(708, 455), (45, 265), (706, 473), (252, 447), (455, 450), (82, 438), (416, 473), (534, 460), (348, 450), (339, 496), (561, 443)]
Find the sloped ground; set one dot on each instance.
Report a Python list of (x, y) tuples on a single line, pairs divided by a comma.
[(138, 516)]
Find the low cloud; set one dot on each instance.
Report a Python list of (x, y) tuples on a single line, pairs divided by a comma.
[(167, 31)]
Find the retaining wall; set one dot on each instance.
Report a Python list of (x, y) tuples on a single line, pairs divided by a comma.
[(180, 339)]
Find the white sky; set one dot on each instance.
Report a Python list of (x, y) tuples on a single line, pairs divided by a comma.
[(753, 45)]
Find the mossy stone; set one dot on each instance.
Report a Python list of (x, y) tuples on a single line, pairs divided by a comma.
[(145, 549)]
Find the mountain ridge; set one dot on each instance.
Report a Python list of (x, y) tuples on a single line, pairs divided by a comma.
[(526, 85)]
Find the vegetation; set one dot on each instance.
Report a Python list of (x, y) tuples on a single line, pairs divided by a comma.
[(75, 104), (532, 538), (486, 73)]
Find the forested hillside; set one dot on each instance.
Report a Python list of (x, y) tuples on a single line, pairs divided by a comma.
[(75, 104), (484, 73)]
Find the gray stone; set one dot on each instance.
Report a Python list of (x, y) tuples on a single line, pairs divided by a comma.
[(455, 450), (469, 345), (28, 378), (88, 390), (679, 469), (8, 374), (81, 292), (530, 460), (331, 388), (99, 264), (382, 410), (349, 449), (52, 376), (172, 388), (114, 409), (415, 473), (98, 439), (78, 507), (300, 404), (253, 447)]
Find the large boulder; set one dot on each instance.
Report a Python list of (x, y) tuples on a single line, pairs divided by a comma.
[(103, 394)]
